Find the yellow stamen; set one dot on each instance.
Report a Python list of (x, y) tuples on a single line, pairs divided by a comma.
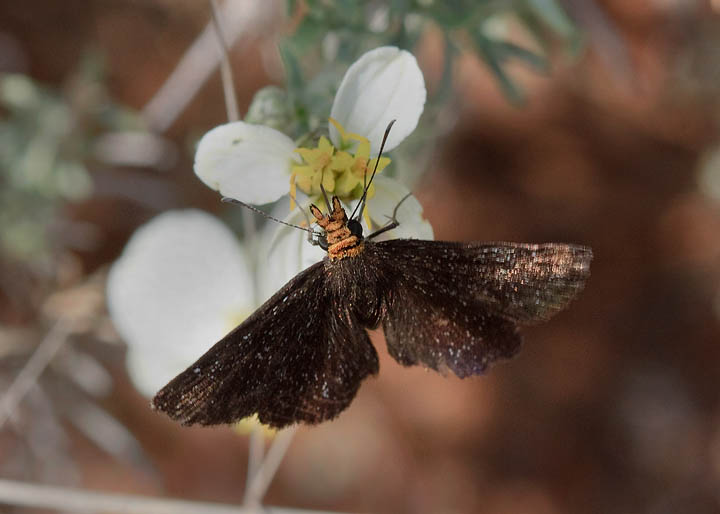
[(293, 191), (246, 426), (347, 136), (366, 216), (339, 171)]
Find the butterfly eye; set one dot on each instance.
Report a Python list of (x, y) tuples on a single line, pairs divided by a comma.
[(322, 242), (355, 228)]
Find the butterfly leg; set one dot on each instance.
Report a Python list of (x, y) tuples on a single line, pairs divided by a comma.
[(393, 223)]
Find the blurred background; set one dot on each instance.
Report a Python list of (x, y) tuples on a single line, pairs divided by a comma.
[(610, 141)]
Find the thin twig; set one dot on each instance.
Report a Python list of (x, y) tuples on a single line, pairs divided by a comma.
[(34, 367), (262, 479), (76, 500), (247, 17), (257, 438), (231, 105), (104, 430), (256, 451)]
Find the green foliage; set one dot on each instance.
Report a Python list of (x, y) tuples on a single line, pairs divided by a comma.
[(46, 140), (331, 34)]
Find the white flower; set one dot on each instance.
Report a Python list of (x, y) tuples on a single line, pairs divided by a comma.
[(182, 282), (254, 164)]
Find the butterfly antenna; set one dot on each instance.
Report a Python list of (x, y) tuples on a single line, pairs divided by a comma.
[(361, 203), (227, 199)]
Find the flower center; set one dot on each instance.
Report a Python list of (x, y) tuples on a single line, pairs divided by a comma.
[(340, 173)]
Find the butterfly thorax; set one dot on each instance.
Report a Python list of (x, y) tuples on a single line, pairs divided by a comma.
[(341, 241)]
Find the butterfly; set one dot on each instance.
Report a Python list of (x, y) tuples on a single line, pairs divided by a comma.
[(448, 306)]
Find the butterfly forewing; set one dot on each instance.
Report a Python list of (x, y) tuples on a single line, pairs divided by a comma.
[(524, 283), (299, 357), (456, 306)]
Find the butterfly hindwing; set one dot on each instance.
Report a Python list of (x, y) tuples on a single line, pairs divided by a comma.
[(421, 327), (456, 305), (293, 360)]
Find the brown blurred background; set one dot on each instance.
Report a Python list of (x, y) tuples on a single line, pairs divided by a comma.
[(612, 407)]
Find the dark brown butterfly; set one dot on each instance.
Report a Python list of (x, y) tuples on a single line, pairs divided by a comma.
[(449, 306), (302, 355)]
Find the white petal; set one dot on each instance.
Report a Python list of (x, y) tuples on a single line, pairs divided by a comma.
[(177, 288), (286, 251), (384, 84), (248, 162), (388, 192)]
